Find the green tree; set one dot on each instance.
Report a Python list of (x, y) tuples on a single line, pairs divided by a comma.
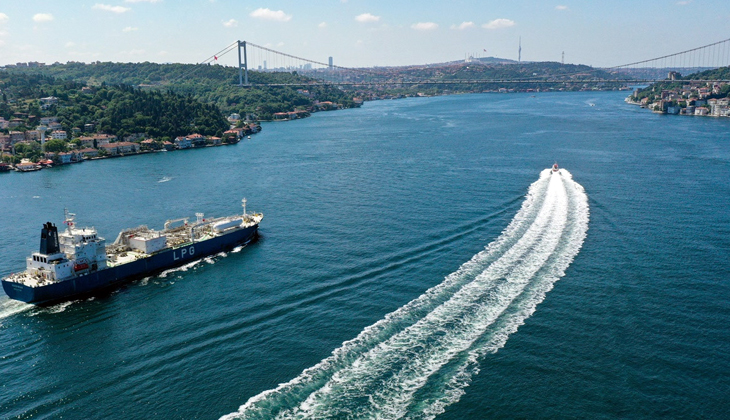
[(55, 146)]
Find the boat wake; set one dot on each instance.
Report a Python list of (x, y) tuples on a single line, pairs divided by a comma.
[(55, 309), (10, 307), (211, 259), (418, 360), (164, 179)]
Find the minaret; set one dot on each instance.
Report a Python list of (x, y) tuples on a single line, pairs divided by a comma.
[(562, 61), (519, 52)]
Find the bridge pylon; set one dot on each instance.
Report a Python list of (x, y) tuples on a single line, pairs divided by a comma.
[(242, 65)]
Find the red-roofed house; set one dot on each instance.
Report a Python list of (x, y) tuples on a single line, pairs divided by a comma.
[(127, 147)]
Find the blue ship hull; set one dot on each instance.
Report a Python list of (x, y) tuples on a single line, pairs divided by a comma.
[(114, 276)]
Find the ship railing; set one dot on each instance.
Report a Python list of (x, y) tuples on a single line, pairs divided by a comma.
[(123, 237)]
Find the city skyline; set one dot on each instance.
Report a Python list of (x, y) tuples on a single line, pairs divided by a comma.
[(357, 33)]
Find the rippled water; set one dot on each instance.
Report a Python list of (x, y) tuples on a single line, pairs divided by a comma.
[(407, 267)]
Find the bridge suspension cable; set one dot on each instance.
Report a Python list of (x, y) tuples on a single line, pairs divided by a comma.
[(268, 60), (724, 43)]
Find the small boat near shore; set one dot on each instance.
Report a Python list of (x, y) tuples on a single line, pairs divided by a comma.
[(28, 167)]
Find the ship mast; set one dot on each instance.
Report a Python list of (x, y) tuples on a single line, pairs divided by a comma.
[(68, 219), (244, 206)]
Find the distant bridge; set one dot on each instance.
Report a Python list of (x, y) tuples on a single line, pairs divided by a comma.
[(489, 81), (263, 59)]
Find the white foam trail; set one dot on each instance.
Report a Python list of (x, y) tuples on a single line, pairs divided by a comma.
[(418, 359), (10, 307), (58, 308), (211, 259), (184, 267)]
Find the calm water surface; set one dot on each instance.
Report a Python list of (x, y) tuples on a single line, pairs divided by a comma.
[(366, 210)]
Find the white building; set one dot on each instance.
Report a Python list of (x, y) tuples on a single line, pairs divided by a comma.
[(183, 143), (48, 102), (59, 135)]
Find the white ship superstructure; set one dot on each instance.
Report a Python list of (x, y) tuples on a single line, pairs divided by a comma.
[(62, 256)]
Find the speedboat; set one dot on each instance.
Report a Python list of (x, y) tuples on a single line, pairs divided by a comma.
[(555, 167)]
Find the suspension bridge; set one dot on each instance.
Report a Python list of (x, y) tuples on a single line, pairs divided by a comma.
[(257, 58)]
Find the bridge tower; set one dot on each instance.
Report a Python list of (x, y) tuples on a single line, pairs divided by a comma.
[(242, 66)]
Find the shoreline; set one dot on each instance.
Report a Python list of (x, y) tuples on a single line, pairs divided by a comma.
[(37, 166)]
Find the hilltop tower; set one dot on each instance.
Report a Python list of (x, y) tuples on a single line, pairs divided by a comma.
[(519, 52)]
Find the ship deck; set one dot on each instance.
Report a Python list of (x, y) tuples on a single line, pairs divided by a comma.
[(28, 280), (125, 257)]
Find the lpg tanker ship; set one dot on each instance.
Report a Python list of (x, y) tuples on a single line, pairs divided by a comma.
[(76, 261)]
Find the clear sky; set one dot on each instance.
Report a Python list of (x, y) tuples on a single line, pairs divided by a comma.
[(358, 32)]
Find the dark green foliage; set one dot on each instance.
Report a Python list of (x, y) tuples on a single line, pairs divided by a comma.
[(55, 146), (211, 84), (113, 109), (722, 73), (31, 151)]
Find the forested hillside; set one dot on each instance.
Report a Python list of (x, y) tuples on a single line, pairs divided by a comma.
[(210, 84), (113, 109)]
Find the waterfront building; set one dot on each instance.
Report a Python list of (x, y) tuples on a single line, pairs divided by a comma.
[(196, 140), (183, 143), (110, 148), (148, 144), (89, 152), (64, 158), (234, 132), (98, 140), (127, 147)]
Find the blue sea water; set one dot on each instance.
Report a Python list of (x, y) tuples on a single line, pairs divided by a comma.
[(415, 260)]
